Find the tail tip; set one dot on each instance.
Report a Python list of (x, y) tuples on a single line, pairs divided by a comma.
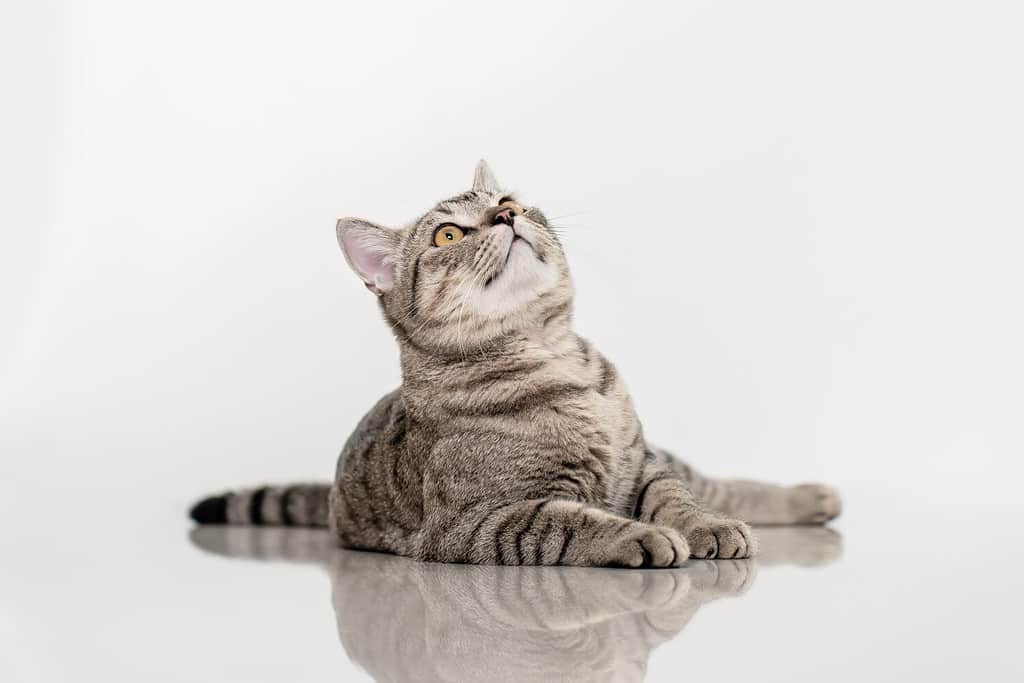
[(212, 510)]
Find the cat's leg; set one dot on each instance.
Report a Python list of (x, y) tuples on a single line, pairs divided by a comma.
[(764, 503), (664, 500), (547, 532), (760, 502)]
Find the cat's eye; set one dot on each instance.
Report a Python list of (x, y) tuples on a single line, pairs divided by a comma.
[(508, 203), (448, 234)]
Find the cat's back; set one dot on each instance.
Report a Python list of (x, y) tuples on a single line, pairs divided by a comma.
[(384, 423), (376, 501)]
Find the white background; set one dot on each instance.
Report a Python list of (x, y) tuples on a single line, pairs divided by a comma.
[(796, 228)]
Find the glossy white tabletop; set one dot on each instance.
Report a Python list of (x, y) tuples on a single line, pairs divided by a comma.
[(150, 597)]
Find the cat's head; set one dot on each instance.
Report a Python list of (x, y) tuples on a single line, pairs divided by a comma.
[(475, 268)]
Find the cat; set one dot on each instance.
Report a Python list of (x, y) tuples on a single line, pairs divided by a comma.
[(512, 440)]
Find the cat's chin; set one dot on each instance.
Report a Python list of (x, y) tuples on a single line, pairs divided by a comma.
[(524, 278)]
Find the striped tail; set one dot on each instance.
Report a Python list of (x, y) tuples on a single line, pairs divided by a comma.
[(297, 505)]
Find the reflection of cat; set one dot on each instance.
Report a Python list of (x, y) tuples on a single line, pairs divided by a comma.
[(471, 623), (409, 621)]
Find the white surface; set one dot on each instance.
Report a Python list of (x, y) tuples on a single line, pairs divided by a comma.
[(135, 599), (796, 228)]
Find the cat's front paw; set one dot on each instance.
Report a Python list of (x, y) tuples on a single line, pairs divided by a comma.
[(814, 503), (719, 537), (642, 545)]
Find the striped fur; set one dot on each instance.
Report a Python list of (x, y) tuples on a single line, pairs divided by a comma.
[(296, 505), (512, 440)]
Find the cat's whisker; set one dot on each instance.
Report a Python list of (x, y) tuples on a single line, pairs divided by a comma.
[(458, 328), (559, 230), (566, 215)]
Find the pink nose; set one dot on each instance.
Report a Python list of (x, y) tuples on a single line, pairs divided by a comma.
[(505, 216)]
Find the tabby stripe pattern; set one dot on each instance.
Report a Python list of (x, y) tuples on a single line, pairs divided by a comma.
[(298, 505)]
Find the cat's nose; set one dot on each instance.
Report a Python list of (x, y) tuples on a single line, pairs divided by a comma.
[(503, 215)]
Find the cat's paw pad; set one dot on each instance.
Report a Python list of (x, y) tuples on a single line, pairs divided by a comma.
[(815, 503), (647, 546), (719, 537)]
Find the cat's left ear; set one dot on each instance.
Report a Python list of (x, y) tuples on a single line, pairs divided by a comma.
[(371, 250), (484, 180)]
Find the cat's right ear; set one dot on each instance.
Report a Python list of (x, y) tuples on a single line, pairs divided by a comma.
[(483, 178), (371, 250)]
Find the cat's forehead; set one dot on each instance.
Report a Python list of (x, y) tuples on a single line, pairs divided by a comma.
[(467, 207)]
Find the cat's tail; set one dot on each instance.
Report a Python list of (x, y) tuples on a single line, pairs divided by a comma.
[(295, 505)]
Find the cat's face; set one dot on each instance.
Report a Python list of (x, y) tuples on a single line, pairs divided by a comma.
[(475, 267)]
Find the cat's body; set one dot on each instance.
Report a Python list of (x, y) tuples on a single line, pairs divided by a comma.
[(512, 440)]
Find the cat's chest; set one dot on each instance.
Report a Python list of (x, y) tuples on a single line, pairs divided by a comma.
[(599, 418), (567, 402), (587, 423)]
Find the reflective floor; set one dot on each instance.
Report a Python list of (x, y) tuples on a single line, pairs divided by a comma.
[(407, 621), (881, 598)]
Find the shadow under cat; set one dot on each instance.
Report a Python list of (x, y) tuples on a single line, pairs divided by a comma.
[(403, 620)]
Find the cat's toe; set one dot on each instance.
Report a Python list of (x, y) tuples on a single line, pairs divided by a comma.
[(716, 537), (815, 503), (648, 546)]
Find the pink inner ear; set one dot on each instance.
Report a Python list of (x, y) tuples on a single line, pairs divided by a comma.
[(369, 264)]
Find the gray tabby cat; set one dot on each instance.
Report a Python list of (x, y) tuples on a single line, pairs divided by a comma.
[(512, 440)]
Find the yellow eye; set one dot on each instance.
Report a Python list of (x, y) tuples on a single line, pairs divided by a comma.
[(516, 208), (449, 234)]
